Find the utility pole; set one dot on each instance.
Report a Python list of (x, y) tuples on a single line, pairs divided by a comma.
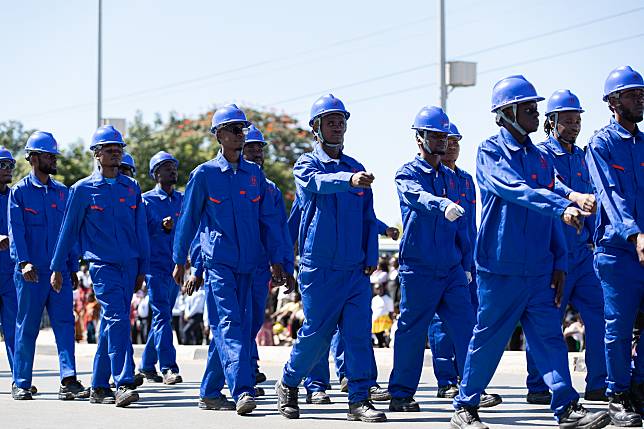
[(99, 100), (441, 49)]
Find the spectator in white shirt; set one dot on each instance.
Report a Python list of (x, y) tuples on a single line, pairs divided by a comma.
[(382, 312), (193, 316)]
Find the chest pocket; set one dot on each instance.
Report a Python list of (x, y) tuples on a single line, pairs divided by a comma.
[(34, 213), (353, 200), (125, 207), (249, 199), (99, 207), (219, 206)]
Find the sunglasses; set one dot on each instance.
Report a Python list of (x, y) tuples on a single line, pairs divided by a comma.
[(236, 129), (7, 164)]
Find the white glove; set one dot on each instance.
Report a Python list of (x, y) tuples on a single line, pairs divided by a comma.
[(468, 275), (453, 212)]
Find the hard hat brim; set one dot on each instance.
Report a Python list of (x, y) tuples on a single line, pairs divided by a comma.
[(517, 101), (94, 146), (326, 112), (565, 109), (213, 130), (263, 142), (623, 88)]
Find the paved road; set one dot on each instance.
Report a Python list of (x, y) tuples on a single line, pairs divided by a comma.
[(175, 406)]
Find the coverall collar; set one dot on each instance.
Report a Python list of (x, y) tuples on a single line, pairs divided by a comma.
[(553, 144), (38, 184), (325, 158), (224, 165), (511, 142), (426, 167), (97, 179), (161, 193), (623, 132)]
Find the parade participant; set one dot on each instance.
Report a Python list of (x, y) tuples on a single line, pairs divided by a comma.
[(521, 260), (615, 157), (106, 217), (127, 167)]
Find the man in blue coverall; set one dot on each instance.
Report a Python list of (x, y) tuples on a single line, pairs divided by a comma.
[(582, 290), (36, 207), (521, 260), (253, 151), (435, 258), (8, 299), (338, 248), (106, 216), (227, 201), (128, 166), (162, 209), (615, 157), (443, 356)]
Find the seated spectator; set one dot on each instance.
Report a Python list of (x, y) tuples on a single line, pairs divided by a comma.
[(382, 315)]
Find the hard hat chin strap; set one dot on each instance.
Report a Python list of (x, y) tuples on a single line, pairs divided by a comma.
[(554, 117), (423, 137), (514, 123), (317, 132)]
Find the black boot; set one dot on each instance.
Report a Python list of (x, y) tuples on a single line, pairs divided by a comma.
[(245, 404), (73, 390), (287, 400), (539, 398), (406, 405), (576, 416), (622, 414), (125, 395), (467, 418), (448, 391), (151, 375), (318, 398), (489, 400), (377, 393), (217, 404), (101, 395), (365, 411), (20, 394)]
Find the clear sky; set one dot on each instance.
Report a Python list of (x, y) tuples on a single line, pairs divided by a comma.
[(379, 57)]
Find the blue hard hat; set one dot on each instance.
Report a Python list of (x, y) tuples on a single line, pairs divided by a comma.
[(620, 79), (42, 141), (563, 100), (129, 161), (327, 104), (158, 159), (5, 154), (431, 118), (513, 90), (453, 131), (255, 136), (228, 114), (106, 134)]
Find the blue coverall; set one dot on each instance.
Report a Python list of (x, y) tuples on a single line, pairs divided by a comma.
[(443, 356), (338, 239), (161, 286), (519, 245), (615, 160), (583, 289), (108, 221), (434, 255), (35, 216), (238, 222), (8, 299)]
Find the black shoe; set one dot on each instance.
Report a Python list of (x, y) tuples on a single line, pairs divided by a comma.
[(621, 411), (539, 398), (466, 418), (138, 380), (365, 411), (287, 400), (245, 404), (151, 375), (576, 416), (598, 395), (260, 377), (101, 395), (33, 390), (73, 390), (344, 385), (377, 393), (217, 404), (489, 400), (125, 395), (447, 392), (170, 377), (405, 405), (259, 391), (20, 394), (318, 398)]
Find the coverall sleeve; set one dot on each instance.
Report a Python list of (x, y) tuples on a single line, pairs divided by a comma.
[(464, 243), (294, 219), (558, 246), (287, 241), (196, 260), (17, 225), (413, 195), (609, 191), (382, 227), (73, 262), (309, 177), (370, 238), (154, 223), (560, 187), (272, 225), (142, 236), (193, 206), (495, 174), (70, 229)]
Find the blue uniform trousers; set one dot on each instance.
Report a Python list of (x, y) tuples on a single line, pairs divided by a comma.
[(162, 291), (259, 293), (8, 313), (503, 301), (33, 298), (583, 291), (113, 286), (423, 294), (333, 299), (228, 300), (622, 280)]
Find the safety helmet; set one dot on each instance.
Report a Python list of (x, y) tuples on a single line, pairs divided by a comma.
[(42, 141), (255, 136), (620, 79), (453, 131), (325, 105), (5, 155), (158, 159), (228, 114), (431, 118), (106, 134), (563, 100), (129, 161), (513, 90)]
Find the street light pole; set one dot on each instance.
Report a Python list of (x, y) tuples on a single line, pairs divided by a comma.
[(99, 100), (441, 50)]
